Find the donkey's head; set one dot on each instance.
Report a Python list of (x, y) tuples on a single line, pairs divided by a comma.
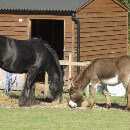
[(76, 95)]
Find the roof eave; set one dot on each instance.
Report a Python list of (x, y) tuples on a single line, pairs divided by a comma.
[(41, 11), (121, 5), (116, 1), (87, 3)]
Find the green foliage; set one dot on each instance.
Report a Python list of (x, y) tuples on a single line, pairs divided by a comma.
[(125, 2)]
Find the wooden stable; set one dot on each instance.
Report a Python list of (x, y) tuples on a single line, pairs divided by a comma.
[(103, 29)]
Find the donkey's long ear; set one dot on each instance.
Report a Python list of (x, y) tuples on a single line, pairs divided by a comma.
[(72, 82)]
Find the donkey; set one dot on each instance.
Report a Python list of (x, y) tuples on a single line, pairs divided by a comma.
[(109, 71)]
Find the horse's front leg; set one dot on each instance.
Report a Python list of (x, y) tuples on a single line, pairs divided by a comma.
[(31, 99), (24, 95), (23, 101), (94, 84)]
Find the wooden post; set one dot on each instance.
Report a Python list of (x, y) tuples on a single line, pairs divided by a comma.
[(69, 63), (70, 56), (46, 88)]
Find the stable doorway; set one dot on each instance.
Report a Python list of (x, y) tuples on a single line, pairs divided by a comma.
[(52, 31)]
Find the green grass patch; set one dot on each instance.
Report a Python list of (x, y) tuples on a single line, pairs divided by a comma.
[(118, 99), (62, 119), (37, 118)]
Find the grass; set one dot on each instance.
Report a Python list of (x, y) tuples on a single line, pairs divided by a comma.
[(118, 99), (62, 119), (36, 118)]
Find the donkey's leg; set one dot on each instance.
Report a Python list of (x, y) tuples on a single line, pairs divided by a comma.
[(128, 97), (106, 94), (94, 84), (29, 82), (126, 83)]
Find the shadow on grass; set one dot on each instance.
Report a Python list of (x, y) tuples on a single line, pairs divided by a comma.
[(13, 95), (41, 99), (113, 105), (46, 99)]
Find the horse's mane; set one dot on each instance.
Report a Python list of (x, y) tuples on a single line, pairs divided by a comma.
[(53, 52)]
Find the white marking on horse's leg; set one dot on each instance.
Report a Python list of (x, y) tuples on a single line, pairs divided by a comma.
[(72, 104)]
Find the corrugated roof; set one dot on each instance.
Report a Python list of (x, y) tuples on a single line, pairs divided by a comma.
[(41, 5)]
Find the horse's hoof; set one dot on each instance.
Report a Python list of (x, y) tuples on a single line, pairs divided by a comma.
[(22, 103), (60, 99), (32, 102)]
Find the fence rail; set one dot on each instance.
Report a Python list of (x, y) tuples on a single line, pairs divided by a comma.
[(69, 63)]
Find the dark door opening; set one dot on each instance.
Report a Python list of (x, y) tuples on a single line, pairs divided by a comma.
[(52, 31)]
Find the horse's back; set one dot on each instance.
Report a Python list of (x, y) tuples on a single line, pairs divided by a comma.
[(20, 55)]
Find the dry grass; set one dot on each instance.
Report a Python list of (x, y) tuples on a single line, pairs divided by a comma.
[(11, 101)]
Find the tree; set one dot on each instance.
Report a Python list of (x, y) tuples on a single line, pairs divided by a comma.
[(126, 3)]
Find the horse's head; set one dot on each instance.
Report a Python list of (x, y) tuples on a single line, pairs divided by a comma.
[(76, 95), (56, 89)]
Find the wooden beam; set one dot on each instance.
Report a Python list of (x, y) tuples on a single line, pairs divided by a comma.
[(66, 62)]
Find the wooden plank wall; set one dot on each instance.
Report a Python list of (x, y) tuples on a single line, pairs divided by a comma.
[(103, 30), (10, 26)]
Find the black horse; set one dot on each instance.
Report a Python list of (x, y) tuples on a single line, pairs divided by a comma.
[(31, 56)]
